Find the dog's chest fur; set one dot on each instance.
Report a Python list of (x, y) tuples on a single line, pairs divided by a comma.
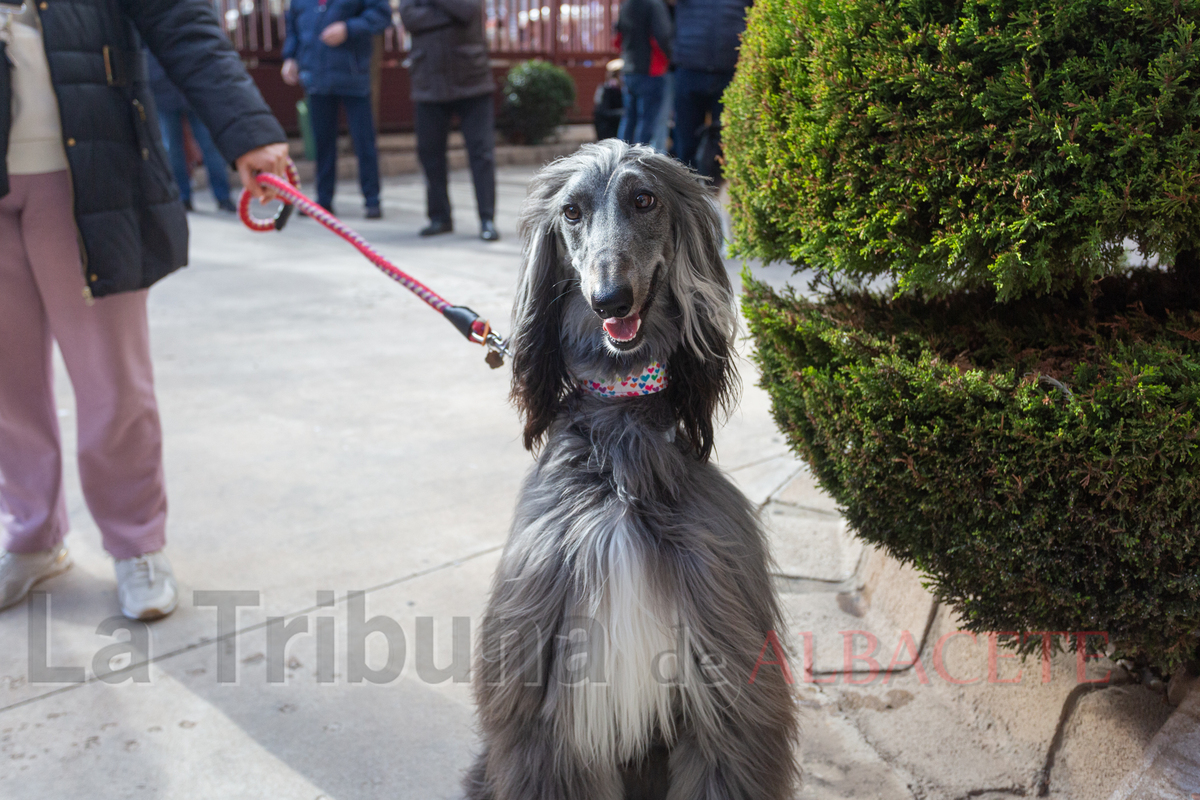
[(626, 695)]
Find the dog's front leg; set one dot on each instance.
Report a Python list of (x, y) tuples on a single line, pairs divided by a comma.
[(750, 762), (533, 763)]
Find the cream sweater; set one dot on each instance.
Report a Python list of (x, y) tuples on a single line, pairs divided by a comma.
[(35, 142)]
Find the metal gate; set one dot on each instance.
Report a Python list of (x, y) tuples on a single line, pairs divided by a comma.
[(575, 35)]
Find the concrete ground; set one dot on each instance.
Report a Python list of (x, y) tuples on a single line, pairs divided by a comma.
[(326, 433)]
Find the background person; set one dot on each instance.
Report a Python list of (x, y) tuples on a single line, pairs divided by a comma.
[(91, 219), (328, 50), (707, 35), (451, 76), (172, 108), (661, 140), (608, 105), (644, 35)]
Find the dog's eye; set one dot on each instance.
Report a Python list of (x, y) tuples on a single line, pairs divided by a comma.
[(572, 212), (644, 200)]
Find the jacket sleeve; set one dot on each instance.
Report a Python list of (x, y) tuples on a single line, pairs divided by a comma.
[(660, 26), (375, 17), (291, 42), (188, 41), (420, 16)]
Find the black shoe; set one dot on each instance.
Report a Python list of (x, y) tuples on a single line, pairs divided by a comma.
[(374, 212), (488, 232), (227, 206), (187, 206), (436, 227)]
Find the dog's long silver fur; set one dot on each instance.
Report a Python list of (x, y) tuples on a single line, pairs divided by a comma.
[(632, 600)]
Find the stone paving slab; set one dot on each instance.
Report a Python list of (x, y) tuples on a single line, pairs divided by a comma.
[(811, 546), (1170, 765), (838, 762), (1106, 738), (803, 492)]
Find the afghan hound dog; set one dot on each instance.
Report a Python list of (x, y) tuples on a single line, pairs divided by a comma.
[(622, 650)]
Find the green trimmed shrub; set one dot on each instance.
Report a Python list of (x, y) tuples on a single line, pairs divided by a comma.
[(1040, 464), (1019, 417), (537, 96), (1005, 143)]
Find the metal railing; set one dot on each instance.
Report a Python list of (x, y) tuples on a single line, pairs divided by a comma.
[(519, 27)]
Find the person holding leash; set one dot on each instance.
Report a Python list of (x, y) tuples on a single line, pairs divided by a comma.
[(90, 218)]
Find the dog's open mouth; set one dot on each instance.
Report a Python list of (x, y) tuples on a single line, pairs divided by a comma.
[(625, 333), (623, 330)]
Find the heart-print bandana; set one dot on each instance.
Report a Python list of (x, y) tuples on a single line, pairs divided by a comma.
[(651, 380)]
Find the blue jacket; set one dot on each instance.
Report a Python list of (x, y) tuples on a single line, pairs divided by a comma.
[(708, 33), (345, 69)]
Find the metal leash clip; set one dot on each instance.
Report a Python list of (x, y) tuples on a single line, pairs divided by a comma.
[(479, 331), (497, 350)]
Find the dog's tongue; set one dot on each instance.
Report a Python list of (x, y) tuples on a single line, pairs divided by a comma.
[(623, 329)]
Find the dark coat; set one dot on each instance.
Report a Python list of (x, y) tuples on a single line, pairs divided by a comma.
[(132, 226), (341, 70), (708, 33), (637, 21), (448, 59)]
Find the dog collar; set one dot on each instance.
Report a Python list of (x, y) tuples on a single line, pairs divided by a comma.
[(651, 380)]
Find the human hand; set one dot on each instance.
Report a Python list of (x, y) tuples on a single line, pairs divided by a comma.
[(334, 34), (271, 158), (290, 72)]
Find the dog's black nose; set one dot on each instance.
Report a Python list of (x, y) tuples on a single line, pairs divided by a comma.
[(613, 301)]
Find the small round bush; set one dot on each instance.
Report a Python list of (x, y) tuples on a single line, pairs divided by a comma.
[(537, 96), (990, 143)]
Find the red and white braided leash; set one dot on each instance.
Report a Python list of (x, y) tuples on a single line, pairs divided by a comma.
[(464, 319)]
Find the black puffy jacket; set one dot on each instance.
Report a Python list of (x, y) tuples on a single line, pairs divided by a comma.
[(132, 226), (448, 59), (638, 21), (708, 33)]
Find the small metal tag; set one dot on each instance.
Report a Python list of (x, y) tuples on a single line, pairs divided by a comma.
[(494, 359)]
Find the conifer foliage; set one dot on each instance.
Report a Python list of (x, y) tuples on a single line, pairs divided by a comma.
[(1010, 143), (1018, 415)]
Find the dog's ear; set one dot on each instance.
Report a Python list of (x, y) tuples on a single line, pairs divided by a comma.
[(698, 389), (702, 375), (539, 370)]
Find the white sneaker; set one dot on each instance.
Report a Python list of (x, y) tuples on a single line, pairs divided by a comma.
[(146, 586), (19, 572)]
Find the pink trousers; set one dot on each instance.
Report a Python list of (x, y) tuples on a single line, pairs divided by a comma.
[(106, 347)]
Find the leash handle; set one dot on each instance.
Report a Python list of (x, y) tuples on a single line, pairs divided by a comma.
[(280, 219), (464, 319)]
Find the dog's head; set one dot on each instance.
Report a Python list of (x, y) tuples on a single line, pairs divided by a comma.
[(622, 267)]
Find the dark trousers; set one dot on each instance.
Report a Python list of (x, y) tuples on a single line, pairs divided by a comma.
[(696, 94), (171, 125), (478, 122), (323, 111), (643, 99)]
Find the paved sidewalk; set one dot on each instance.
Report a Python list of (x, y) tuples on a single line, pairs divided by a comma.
[(326, 433)]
